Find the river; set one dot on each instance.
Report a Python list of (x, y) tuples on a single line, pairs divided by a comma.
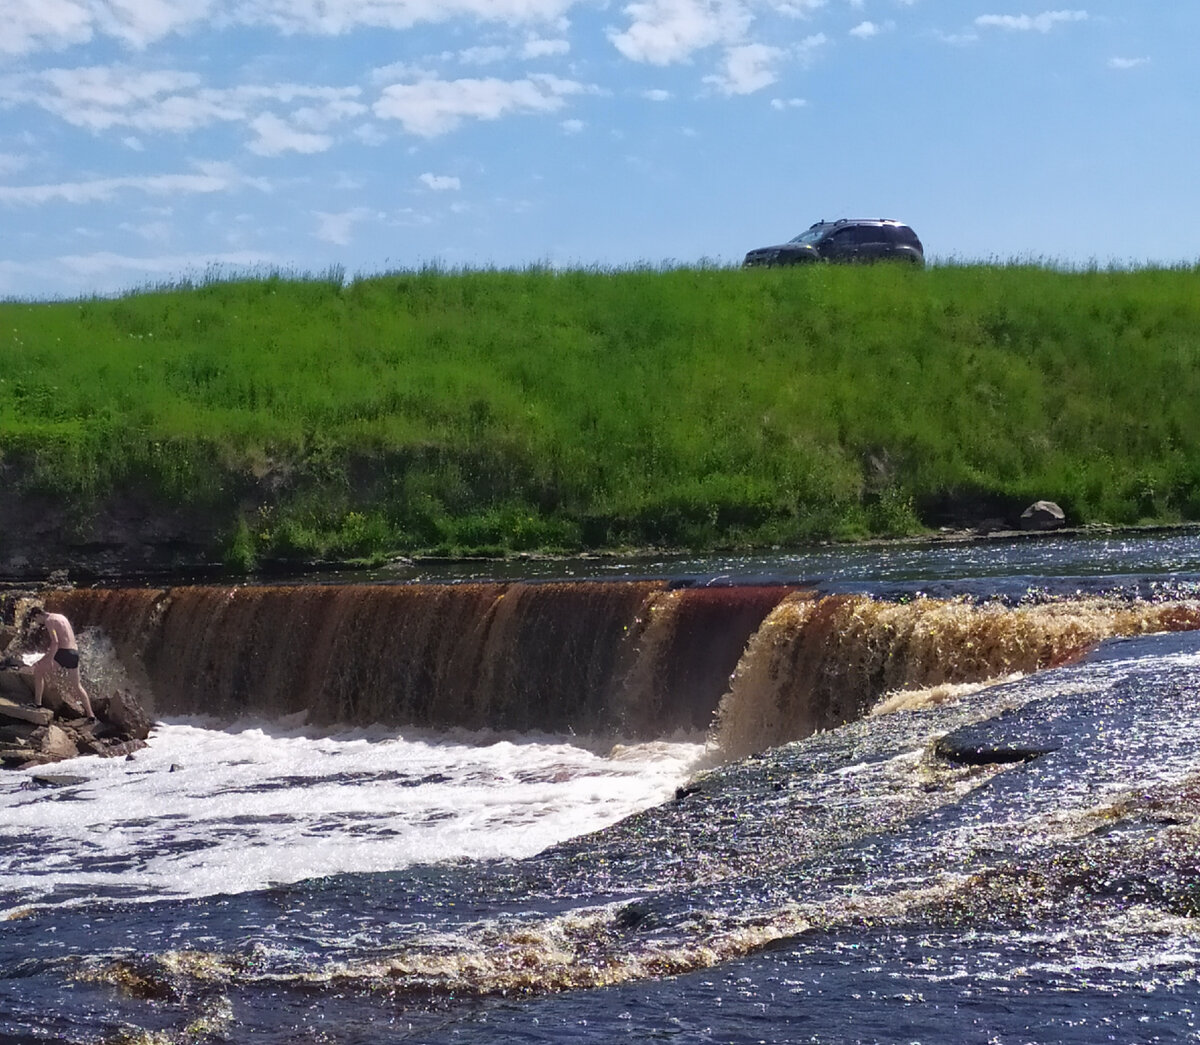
[(931, 793)]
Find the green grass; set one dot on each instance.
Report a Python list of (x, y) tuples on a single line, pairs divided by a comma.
[(561, 410)]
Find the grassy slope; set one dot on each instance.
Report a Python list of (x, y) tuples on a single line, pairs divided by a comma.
[(541, 409)]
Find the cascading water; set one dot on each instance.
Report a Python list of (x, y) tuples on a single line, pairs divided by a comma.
[(635, 658), (621, 809)]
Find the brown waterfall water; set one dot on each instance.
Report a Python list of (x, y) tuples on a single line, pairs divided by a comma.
[(630, 657), (764, 664)]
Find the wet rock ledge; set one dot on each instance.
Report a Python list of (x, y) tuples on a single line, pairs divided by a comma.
[(33, 736)]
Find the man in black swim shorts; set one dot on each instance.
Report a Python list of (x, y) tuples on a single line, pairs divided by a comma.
[(61, 651)]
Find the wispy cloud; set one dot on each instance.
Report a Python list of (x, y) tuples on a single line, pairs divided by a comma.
[(217, 177), (338, 228), (100, 98), (539, 47), (10, 163), (432, 107), (54, 25), (1041, 23), (440, 182), (662, 32), (746, 69), (1127, 63), (110, 265), (275, 136), (337, 17)]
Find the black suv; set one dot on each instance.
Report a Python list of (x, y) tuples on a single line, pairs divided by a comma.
[(847, 239)]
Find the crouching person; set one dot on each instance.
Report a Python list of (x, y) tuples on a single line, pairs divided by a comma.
[(62, 652)]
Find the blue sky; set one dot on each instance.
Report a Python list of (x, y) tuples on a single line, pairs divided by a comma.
[(146, 141)]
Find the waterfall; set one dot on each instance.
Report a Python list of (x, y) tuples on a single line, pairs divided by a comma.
[(761, 664)]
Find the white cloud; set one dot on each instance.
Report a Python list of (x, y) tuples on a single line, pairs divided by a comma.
[(138, 23), (432, 107), (339, 228), (275, 136), (865, 30), (543, 48), (783, 104), (54, 25), (665, 31), (1041, 23), (656, 94), (10, 163), (746, 69), (106, 263), (336, 17), (152, 231), (1127, 63), (215, 177), (440, 182), (805, 51), (801, 8), (31, 25), (957, 39), (368, 134), (386, 74), (482, 55), (572, 126), (98, 98)]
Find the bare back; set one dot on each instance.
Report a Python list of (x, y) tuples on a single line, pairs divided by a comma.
[(61, 633)]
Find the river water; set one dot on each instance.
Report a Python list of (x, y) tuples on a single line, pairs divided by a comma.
[(1010, 860)]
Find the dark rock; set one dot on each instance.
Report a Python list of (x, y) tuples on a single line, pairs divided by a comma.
[(968, 754), (1009, 737), (16, 732), (55, 744), (32, 736), (127, 715), (58, 779), (116, 748), (635, 916), (1043, 515), (25, 712)]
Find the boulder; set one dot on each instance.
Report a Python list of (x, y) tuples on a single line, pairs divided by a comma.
[(24, 712), (126, 715), (33, 736), (55, 745), (1043, 515)]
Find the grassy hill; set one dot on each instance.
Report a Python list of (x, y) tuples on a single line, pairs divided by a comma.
[(438, 411)]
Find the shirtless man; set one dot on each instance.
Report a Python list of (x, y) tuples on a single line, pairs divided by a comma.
[(61, 651)]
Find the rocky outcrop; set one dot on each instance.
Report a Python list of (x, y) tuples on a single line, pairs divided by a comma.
[(1043, 515), (35, 736)]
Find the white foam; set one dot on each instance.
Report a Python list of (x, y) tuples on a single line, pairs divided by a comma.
[(253, 804)]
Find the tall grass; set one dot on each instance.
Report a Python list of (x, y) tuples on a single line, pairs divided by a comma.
[(547, 409)]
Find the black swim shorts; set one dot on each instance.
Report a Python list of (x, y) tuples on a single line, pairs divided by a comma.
[(68, 658)]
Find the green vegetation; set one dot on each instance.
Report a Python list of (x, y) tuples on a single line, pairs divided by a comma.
[(562, 410)]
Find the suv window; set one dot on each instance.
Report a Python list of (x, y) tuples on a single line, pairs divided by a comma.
[(855, 235)]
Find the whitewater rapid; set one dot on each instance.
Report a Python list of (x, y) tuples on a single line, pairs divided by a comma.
[(211, 808)]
